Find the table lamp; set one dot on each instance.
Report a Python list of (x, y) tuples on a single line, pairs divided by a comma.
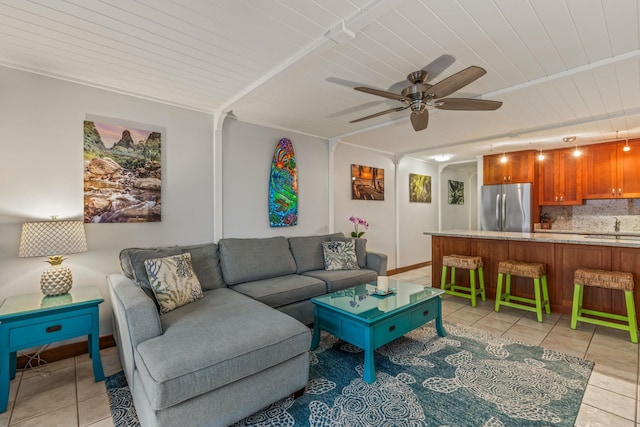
[(53, 239)]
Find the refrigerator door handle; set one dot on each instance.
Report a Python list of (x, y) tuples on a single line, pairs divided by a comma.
[(498, 222), (504, 212)]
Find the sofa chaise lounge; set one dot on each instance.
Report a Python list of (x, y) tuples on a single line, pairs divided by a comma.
[(240, 347)]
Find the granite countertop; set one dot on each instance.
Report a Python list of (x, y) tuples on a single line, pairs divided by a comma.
[(603, 239)]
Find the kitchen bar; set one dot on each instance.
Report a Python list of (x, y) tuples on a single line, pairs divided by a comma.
[(562, 254)]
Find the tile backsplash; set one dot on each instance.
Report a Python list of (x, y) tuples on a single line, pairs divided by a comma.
[(596, 215)]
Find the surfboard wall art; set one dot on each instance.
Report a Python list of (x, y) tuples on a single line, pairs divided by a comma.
[(283, 186)]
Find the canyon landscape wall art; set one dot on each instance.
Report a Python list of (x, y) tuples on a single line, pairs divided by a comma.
[(122, 174)]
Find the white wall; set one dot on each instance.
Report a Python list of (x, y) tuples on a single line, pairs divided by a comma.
[(380, 214), (416, 218), (41, 174), (247, 151), (459, 217)]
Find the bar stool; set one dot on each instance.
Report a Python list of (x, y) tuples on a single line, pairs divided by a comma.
[(471, 263), (532, 270), (616, 280)]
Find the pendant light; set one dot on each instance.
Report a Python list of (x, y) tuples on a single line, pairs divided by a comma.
[(626, 144), (541, 155)]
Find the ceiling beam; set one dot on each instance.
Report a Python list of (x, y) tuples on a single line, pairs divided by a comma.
[(342, 32)]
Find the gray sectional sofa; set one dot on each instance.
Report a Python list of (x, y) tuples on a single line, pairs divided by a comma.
[(241, 347)]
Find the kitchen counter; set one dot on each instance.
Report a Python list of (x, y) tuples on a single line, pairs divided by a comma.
[(562, 253), (631, 240)]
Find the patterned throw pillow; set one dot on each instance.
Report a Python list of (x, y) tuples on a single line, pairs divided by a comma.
[(340, 255), (173, 281)]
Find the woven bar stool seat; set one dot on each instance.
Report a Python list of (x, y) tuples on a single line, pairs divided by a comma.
[(474, 265), (616, 280), (531, 270)]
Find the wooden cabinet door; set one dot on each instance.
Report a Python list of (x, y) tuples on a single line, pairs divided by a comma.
[(568, 177), (559, 179), (494, 171), (521, 167), (629, 170), (599, 170), (547, 192)]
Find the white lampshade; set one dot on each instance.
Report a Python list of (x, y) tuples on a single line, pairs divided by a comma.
[(53, 239)]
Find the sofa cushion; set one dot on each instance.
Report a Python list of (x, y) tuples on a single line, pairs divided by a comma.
[(341, 279), (282, 290), (361, 249), (340, 255), (173, 281), (204, 258), (244, 260), (219, 339), (307, 251)]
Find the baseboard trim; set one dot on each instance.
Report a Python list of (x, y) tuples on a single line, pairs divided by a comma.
[(66, 351), (408, 268)]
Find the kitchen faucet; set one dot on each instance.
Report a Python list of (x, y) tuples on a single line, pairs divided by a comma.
[(616, 226)]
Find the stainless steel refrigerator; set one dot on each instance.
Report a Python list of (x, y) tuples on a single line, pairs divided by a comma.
[(506, 207)]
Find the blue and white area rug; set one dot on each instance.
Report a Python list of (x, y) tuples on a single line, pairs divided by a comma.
[(469, 378)]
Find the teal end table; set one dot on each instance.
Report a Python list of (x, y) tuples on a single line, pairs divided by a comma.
[(359, 316), (33, 320)]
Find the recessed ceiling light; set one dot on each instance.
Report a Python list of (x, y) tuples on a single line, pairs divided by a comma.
[(442, 157), (569, 138)]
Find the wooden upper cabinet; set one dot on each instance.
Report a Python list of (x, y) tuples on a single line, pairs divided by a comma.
[(629, 170), (609, 172), (519, 168), (559, 178)]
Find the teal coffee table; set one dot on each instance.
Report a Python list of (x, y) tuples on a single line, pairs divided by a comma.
[(367, 320), (32, 320)]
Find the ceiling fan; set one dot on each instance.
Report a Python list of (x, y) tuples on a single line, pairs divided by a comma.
[(419, 95)]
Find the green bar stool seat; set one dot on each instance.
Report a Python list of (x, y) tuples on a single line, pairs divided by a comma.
[(471, 263), (617, 280), (533, 270)]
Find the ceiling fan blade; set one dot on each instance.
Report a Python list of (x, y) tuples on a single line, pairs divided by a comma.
[(382, 93), (381, 113), (420, 120), (467, 104), (456, 81)]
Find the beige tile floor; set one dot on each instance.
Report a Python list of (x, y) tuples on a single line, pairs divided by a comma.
[(64, 394)]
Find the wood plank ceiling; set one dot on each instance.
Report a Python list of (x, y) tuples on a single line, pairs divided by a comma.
[(561, 67)]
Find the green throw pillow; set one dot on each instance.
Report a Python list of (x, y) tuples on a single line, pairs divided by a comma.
[(340, 255), (173, 281)]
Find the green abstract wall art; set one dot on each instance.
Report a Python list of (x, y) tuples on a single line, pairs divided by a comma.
[(456, 192), (419, 188)]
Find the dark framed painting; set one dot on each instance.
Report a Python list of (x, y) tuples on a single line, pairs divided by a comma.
[(419, 188), (456, 192), (122, 173), (367, 183)]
